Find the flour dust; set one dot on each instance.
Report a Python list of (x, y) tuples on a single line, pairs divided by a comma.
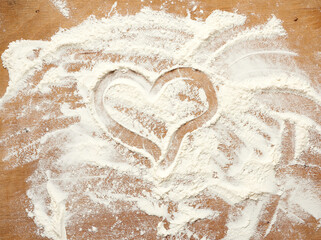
[(61, 5), (245, 172)]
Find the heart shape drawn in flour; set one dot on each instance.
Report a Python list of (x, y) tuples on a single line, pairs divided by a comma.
[(154, 117)]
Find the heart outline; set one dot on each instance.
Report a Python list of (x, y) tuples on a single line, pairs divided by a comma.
[(133, 140)]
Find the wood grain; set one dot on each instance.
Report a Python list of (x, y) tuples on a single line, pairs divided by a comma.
[(39, 19)]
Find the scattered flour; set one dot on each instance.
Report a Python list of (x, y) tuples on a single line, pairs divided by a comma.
[(103, 75), (61, 5)]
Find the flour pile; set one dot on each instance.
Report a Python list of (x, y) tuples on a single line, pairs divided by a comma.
[(235, 176)]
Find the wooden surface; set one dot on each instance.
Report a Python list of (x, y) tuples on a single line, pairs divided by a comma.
[(39, 19)]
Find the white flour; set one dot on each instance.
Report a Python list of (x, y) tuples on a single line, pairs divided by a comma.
[(228, 170), (61, 5)]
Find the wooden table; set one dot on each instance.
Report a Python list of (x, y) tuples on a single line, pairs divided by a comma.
[(39, 19)]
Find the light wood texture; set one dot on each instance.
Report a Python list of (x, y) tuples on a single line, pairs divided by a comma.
[(39, 19)]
